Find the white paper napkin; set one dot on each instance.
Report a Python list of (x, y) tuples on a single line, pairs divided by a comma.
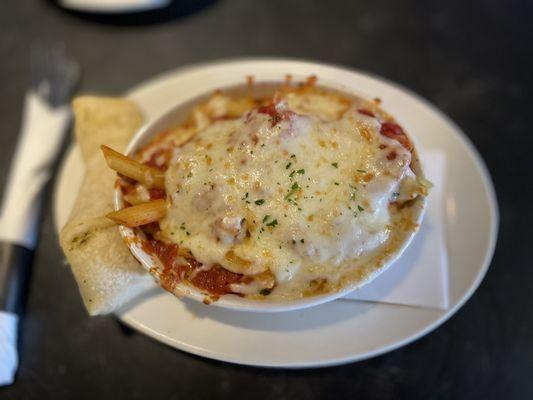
[(420, 276), (8, 347), (41, 134)]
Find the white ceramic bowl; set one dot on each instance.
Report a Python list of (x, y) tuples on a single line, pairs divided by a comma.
[(176, 115)]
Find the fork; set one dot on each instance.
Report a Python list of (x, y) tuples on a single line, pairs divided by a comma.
[(53, 75)]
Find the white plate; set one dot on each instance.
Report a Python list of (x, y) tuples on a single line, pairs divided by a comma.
[(339, 331), (113, 6)]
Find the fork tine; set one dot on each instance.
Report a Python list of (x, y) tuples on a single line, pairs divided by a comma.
[(53, 75)]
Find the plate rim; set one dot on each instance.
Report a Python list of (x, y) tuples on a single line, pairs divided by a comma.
[(112, 9), (460, 136)]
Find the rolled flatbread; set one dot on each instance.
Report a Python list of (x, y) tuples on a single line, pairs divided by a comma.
[(108, 276), (104, 120)]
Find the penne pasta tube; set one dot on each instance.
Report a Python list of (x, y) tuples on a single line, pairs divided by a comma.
[(235, 259), (148, 176), (141, 214)]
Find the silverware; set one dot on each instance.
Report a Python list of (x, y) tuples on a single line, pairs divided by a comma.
[(46, 113), (53, 75)]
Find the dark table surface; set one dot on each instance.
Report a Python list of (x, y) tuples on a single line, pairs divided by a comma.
[(472, 59)]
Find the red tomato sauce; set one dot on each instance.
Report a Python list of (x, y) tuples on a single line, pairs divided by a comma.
[(364, 111), (156, 194), (155, 158), (276, 115), (395, 131), (215, 281)]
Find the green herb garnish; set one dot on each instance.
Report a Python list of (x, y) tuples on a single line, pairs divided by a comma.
[(335, 164), (272, 223), (294, 189), (260, 202)]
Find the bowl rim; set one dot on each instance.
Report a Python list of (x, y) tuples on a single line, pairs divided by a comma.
[(230, 301)]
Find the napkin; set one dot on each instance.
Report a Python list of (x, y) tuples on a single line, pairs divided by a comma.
[(42, 132), (8, 347), (420, 276)]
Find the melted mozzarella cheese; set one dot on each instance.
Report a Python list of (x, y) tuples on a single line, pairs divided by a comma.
[(284, 192)]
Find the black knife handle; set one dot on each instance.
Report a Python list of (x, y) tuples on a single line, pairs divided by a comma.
[(15, 271)]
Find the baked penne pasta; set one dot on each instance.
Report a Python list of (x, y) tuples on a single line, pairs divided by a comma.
[(148, 176), (301, 193), (141, 214)]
